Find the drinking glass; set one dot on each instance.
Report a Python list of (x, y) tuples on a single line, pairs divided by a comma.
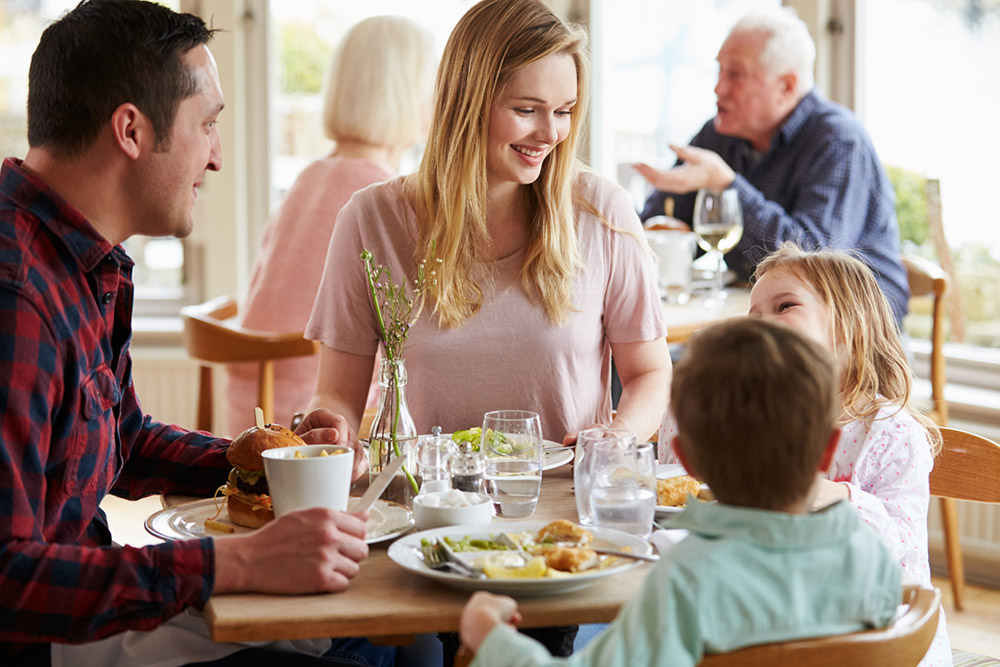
[(512, 442), (623, 486), (583, 464), (718, 223)]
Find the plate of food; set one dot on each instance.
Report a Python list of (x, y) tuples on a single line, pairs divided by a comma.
[(554, 557), (202, 518), (674, 486), (556, 458)]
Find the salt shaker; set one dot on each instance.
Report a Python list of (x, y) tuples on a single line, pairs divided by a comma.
[(433, 453), (468, 468)]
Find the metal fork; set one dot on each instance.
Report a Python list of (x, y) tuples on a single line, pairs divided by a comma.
[(436, 558)]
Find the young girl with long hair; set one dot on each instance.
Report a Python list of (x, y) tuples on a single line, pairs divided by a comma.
[(887, 447)]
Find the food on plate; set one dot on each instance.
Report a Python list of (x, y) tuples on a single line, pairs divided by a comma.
[(562, 530), (673, 491), (559, 549), (212, 524), (495, 568), (571, 559), (472, 435), (247, 497)]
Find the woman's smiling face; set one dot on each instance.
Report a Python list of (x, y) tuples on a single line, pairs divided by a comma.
[(780, 296), (530, 118)]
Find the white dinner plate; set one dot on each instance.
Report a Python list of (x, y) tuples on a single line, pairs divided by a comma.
[(551, 460), (664, 471), (405, 552), (180, 522), (558, 458)]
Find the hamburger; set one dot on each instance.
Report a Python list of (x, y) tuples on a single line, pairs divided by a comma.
[(248, 500)]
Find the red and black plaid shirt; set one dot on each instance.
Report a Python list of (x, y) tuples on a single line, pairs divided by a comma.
[(72, 431)]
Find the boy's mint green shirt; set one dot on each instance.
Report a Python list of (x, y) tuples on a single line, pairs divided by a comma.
[(742, 577)]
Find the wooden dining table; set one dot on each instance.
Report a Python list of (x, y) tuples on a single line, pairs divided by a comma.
[(683, 319), (390, 605)]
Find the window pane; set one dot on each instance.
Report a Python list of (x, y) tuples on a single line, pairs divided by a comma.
[(929, 88), (159, 271), (303, 37), (655, 78)]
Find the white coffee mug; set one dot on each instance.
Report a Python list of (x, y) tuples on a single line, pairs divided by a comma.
[(303, 477)]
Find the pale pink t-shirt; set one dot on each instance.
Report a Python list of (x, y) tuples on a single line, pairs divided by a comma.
[(509, 355), (285, 278)]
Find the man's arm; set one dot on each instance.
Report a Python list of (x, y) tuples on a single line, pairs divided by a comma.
[(61, 582)]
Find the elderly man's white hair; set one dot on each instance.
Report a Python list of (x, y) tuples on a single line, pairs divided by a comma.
[(789, 47)]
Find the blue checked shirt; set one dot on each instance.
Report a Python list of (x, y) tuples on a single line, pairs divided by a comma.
[(72, 430), (820, 184)]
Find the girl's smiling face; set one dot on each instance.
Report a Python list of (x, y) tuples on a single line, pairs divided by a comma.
[(530, 118), (780, 296)]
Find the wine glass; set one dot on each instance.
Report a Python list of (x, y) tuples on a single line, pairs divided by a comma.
[(718, 223), (512, 443)]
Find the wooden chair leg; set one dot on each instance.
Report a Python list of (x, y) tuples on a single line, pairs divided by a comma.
[(953, 551), (205, 412)]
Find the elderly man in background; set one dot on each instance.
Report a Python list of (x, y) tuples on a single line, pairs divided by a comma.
[(804, 168)]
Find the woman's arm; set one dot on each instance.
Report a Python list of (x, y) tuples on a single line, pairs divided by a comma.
[(645, 371)]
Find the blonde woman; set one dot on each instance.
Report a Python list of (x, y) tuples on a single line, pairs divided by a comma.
[(543, 275), (376, 106)]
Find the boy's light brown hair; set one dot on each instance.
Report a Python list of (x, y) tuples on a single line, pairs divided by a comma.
[(755, 403)]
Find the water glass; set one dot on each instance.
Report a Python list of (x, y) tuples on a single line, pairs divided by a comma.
[(512, 443), (623, 486), (582, 464)]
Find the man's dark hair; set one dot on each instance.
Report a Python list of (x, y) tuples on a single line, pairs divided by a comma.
[(100, 55)]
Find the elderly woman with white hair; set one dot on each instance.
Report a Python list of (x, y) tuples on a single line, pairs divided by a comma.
[(376, 106), (803, 166)]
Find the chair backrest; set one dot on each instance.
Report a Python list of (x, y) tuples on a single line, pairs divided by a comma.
[(968, 468), (210, 339), (928, 279), (902, 644)]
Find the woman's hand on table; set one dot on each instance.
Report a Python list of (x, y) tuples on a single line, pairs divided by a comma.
[(482, 613), (570, 438), (308, 551), (322, 427)]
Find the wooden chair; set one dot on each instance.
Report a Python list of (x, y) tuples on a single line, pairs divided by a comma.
[(968, 468), (928, 279), (902, 644), (210, 339)]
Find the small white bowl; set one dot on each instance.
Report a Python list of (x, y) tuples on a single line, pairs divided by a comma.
[(432, 510)]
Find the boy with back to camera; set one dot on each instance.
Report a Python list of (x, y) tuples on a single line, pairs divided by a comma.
[(756, 406)]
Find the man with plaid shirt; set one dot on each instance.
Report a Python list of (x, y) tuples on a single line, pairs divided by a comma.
[(123, 101)]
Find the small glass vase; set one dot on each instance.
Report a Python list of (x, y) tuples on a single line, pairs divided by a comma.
[(393, 433)]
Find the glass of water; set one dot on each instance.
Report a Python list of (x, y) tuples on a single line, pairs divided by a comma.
[(623, 485), (512, 443), (583, 464)]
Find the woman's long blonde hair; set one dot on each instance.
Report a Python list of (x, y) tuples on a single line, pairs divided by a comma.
[(874, 372), (493, 40)]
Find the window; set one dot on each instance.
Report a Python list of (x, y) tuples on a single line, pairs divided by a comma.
[(654, 77), (303, 36), (163, 278), (927, 88)]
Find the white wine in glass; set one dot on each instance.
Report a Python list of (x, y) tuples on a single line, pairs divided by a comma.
[(718, 223)]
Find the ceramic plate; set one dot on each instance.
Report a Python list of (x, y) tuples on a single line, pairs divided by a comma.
[(180, 522), (406, 553), (552, 460), (664, 471)]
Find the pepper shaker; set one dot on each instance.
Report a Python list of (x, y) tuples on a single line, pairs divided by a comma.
[(468, 468)]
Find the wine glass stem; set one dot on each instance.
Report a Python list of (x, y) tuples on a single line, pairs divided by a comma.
[(717, 290)]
